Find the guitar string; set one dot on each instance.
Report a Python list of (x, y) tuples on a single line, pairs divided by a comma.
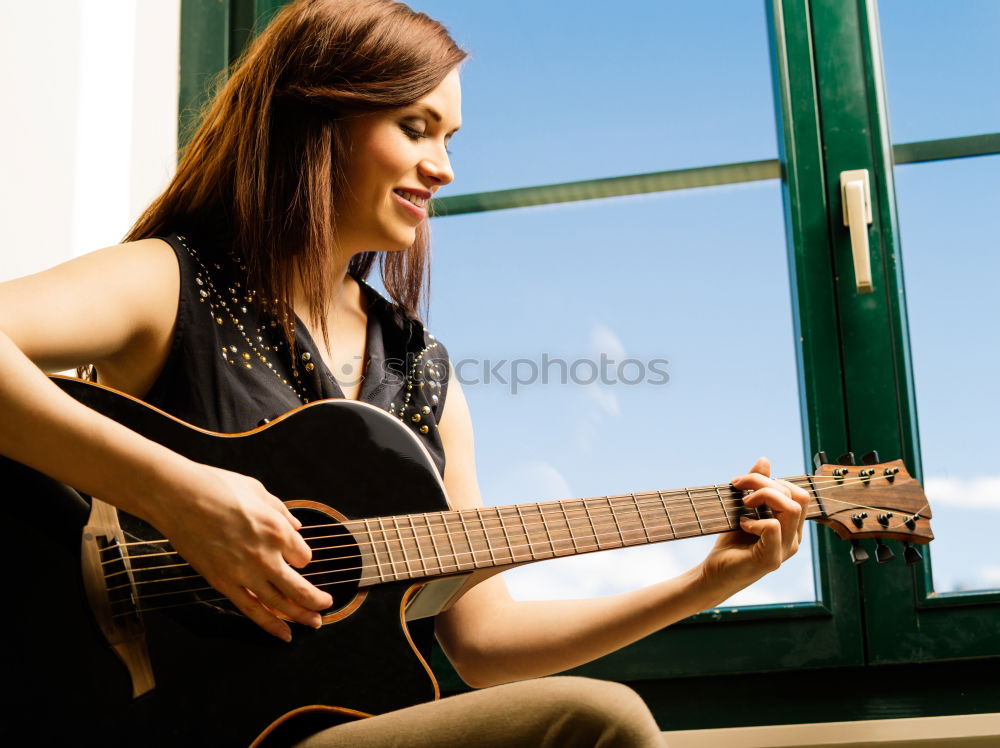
[(683, 494), (472, 552), (415, 537), (627, 525), (455, 560), (455, 555), (700, 497), (323, 585), (569, 507)]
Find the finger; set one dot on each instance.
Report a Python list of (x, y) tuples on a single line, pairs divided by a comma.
[(251, 607), (273, 598), (787, 512), (753, 481), (295, 550), (776, 499), (296, 588), (761, 467), (801, 496), (286, 512), (767, 549)]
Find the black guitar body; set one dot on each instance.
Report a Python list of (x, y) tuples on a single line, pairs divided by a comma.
[(219, 679)]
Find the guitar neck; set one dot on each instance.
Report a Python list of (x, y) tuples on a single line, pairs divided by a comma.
[(437, 544)]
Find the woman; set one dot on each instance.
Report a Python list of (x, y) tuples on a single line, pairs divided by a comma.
[(316, 158)]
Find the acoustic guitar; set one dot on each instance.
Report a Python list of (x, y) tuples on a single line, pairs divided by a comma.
[(116, 640)]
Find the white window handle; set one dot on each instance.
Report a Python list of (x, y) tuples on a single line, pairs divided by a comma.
[(856, 197)]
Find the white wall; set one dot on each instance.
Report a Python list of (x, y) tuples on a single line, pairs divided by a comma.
[(88, 135)]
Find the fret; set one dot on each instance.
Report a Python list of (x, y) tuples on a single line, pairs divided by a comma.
[(701, 528), (527, 533), (562, 528), (416, 541), (506, 537), (378, 561), (666, 512), (540, 508), (394, 551), (614, 518), (460, 516), (389, 549), (569, 526), (725, 513), (402, 546), (432, 560), (642, 522), (451, 543), (590, 518), (473, 548), (514, 542), (486, 535), (366, 550)]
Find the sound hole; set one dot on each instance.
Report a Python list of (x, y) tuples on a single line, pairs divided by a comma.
[(336, 557)]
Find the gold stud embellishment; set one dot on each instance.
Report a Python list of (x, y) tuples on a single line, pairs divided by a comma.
[(415, 418), (424, 429)]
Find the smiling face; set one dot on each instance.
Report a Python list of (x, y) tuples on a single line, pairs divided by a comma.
[(398, 159)]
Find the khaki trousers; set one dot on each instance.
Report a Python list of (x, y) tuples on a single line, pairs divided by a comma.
[(559, 712)]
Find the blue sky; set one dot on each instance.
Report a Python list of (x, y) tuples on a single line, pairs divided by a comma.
[(563, 90)]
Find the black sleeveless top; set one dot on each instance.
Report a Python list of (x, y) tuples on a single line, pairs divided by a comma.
[(230, 369)]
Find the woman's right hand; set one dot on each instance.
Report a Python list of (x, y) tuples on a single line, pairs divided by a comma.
[(243, 541)]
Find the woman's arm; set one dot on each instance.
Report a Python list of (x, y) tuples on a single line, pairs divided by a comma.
[(493, 639), (117, 307)]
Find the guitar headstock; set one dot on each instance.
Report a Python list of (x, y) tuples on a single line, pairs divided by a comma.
[(878, 500)]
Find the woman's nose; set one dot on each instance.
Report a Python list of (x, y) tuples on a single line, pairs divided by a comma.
[(438, 170)]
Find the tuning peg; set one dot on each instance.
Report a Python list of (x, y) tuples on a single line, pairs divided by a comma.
[(883, 553), (911, 554), (846, 459), (858, 554), (819, 460), (870, 458)]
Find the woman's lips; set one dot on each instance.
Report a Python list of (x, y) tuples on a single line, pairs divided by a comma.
[(414, 210)]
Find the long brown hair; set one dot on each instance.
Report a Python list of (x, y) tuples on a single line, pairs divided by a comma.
[(263, 169)]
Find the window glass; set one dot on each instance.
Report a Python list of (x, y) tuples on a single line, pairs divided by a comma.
[(564, 90), (941, 67), (948, 230), (691, 289)]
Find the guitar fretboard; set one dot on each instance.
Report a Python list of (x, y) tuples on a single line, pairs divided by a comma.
[(434, 544)]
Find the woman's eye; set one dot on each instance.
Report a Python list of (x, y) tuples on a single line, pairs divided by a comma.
[(410, 132)]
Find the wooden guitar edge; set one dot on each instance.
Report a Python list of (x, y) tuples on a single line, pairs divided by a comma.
[(346, 711)]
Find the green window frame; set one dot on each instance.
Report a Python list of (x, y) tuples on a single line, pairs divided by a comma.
[(878, 643)]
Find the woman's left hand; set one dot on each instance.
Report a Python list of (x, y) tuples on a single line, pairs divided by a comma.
[(760, 546)]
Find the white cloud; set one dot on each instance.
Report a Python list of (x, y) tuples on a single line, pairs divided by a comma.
[(605, 340), (600, 399), (974, 493)]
